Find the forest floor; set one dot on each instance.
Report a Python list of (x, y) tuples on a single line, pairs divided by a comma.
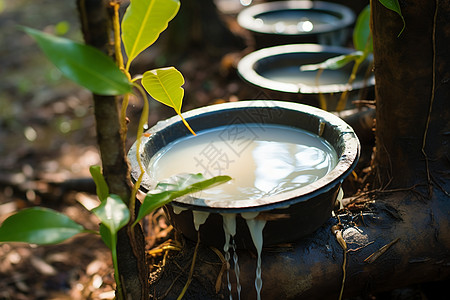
[(47, 138)]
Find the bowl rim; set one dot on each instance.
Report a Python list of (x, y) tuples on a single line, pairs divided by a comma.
[(345, 162), (246, 69), (246, 18)]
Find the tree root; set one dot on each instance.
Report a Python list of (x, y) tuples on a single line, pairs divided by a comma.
[(314, 264)]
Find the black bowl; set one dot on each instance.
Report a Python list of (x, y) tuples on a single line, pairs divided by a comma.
[(289, 215), (287, 22), (276, 70)]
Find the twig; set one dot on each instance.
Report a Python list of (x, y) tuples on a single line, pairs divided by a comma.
[(191, 271), (170, 286), (337, 231), (222, 269), (364, 102), (380, 251), (430, 109), (182, 269), (380, 191), (322, 100), (359, 248)]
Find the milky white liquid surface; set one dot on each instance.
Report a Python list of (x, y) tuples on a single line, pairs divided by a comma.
[(294, 17), (292, 74), (262, 159)]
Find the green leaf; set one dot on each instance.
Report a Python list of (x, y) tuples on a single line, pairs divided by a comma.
[(100, 182), (164, 85), (362, 37), (334, 63), (143, 22), (61, 28), (38, 225), (83, 64), (394, 6), (113, 213), (176, 187)]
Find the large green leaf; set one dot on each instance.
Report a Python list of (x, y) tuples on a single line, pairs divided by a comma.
[(143, 22), (362, 37), (164, 85), (83, 64), (113, 213), (394, 6), (100, 182), (177, 186), (38, 225)]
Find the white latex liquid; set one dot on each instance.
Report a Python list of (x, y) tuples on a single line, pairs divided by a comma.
[(295, 21), (229, 227), (199, 218), (256, 227), (293, 74), (262, 159)]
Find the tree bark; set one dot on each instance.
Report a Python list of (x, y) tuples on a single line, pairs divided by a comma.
[(95, 17), (406, 216), (412, 89), (312, 268), (96, 26)]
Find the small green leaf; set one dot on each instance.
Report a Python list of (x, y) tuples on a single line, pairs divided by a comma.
[(40, 226), (61, 28), (143, 22), (164, 85), (83, 64), (334, 63), (362, 37), (177, 186), (394, 6), (100, 183), (113, 213)]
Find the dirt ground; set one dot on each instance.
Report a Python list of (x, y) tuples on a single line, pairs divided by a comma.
[(47, 138)]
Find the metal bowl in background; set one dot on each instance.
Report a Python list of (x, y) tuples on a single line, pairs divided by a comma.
[(287, 22), (276, 70), (289, 215)]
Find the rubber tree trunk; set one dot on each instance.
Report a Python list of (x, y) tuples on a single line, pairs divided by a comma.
[(402, 234), (95, 17), (412, 75)]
